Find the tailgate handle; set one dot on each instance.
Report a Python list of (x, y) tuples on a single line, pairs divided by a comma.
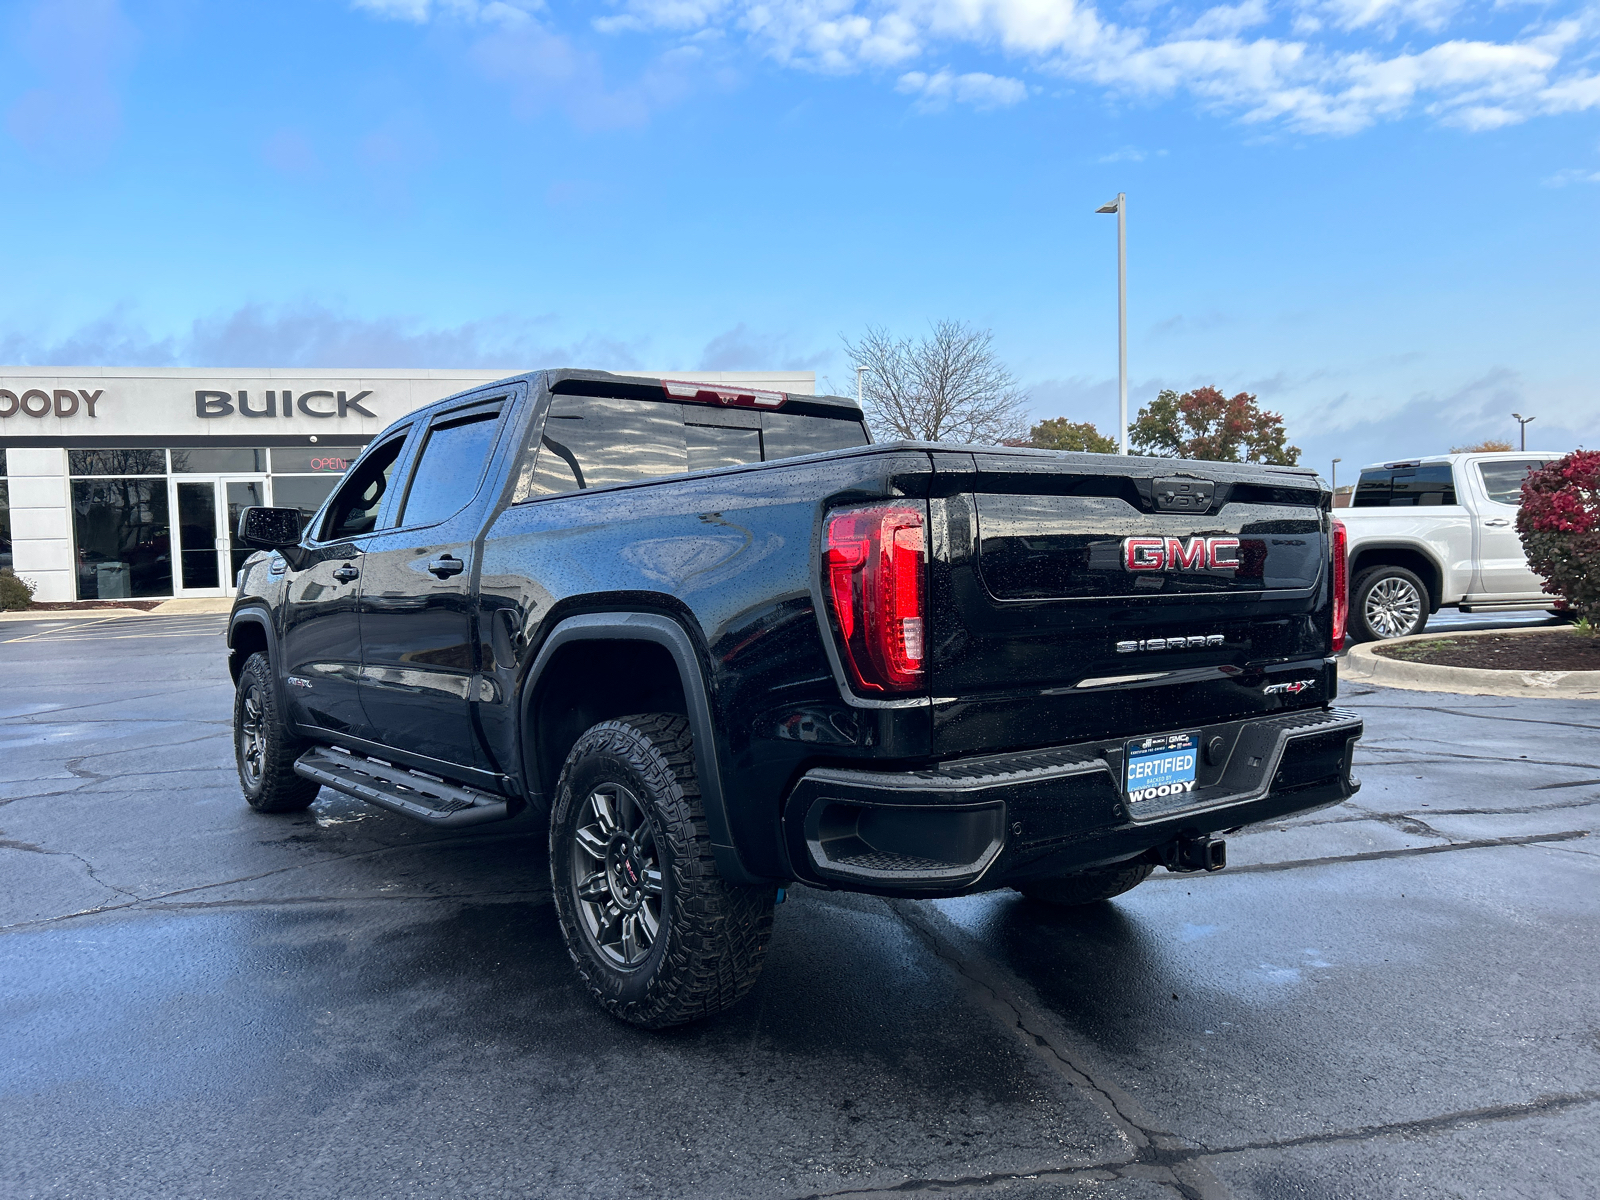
[(1184, 495), (447, 566)]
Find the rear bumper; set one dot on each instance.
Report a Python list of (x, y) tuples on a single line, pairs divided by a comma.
[(981, 823)]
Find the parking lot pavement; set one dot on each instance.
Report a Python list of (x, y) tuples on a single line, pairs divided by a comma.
[(1395, 997)]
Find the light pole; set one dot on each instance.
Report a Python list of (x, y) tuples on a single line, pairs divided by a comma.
[(1120, 207), (860, 371), (1335, 474), (1522, 426)]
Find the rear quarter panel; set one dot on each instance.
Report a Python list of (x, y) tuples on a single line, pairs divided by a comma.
[(732, 555)]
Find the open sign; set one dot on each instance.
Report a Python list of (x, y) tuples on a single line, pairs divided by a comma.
[(330, 464)]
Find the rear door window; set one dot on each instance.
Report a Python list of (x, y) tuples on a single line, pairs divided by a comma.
[(1502, 480), (451, 465)]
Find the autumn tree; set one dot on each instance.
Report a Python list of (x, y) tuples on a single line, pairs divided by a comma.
[(1058, 433), (946, 387), (1487, 446), (1206, 424)]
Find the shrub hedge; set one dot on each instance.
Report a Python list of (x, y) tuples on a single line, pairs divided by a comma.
[(1560, 527)]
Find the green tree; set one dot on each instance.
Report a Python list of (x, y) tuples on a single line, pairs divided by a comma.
[(1058, 433), (1206, 424)]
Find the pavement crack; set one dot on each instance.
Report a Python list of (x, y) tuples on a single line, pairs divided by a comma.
[(1154, 1148), (1445, 1121), (31, 848), (157, 900), (1294, 864)]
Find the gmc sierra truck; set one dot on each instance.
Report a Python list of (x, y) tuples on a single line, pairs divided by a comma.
[(1427, 533), (724, 644)]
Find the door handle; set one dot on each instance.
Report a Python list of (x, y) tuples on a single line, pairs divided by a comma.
[(346, 573), (446, 566), (1498, 521)]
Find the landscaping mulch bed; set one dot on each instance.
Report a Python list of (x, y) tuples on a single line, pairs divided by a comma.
[(1557, 650)]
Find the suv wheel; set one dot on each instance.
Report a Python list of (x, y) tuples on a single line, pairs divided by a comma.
[(262, 747), (1387, 602), (1089, 887), (657, 935)]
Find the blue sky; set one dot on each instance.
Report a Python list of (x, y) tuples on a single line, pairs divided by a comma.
[(1378, 215)]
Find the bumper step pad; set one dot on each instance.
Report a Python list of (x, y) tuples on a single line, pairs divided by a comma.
[(409, 793)]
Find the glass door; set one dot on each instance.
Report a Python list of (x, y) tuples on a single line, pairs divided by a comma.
[(209, 556), (199, 571), (237, 495)]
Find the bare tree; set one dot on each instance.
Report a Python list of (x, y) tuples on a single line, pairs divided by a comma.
[(947, 387)]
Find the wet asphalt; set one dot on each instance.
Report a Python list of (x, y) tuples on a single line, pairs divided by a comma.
[(1399, 997)]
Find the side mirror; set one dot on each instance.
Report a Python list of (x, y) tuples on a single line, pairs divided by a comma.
[(269, 528)]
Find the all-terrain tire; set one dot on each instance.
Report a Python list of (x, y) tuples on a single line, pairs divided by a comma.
[(651, 864), (1387, 602), (1088, 887), (263, 749)]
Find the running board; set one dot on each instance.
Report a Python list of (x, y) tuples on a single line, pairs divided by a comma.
[(409, 793), (1508, 606)]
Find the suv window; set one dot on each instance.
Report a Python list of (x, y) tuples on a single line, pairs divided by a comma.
[(591, 441), (450, 466), (1405, 487), (1503, 480), (354, 510)]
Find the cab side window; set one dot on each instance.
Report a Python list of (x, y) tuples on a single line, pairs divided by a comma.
[(354, 508)]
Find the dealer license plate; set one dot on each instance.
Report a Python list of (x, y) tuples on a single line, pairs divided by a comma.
[(1161, 766)]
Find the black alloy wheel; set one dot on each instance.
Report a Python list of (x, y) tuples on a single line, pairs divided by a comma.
[(657, 935), (616, 876), (263, 749)]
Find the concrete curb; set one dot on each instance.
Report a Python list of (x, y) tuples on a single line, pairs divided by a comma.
[(71, 614), (1364, 665), (199, 606)]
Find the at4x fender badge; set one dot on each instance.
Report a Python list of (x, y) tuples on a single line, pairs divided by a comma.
[(297, 681), (1288, 689)]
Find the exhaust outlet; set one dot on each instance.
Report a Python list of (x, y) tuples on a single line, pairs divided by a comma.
[(1195, 852)]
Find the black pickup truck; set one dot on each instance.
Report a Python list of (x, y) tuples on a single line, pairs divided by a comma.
[(727, 644)]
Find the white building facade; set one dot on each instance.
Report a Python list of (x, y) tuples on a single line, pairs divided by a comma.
[(126, 483)]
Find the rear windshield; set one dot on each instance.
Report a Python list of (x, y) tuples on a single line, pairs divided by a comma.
[(1406, 487), (1503, 480), (591, 441)]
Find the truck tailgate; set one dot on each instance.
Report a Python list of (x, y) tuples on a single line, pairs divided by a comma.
[(1085, 596)]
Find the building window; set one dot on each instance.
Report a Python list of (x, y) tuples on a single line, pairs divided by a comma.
[(124, 537), (124, 502), (116, 462), (5, 513), (304, 476)]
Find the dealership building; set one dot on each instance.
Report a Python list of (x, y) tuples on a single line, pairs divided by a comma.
[(124, 483)]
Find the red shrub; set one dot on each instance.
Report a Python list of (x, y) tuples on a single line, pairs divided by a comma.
[(1560, 527)]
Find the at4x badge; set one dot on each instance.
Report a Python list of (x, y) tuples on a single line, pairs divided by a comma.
[(1288, 689)]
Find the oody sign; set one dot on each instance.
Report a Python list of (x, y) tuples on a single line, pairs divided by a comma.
[(62, 402)]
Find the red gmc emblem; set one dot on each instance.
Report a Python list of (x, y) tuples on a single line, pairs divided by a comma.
[(1174, 554)]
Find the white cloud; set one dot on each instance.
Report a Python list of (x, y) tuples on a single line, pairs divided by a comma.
[(1322, 66), (1228, 20), (976, 88), (1572, 175)]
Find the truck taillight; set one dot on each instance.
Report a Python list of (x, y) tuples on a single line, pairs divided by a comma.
[(1341, 584), (875, 561)]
